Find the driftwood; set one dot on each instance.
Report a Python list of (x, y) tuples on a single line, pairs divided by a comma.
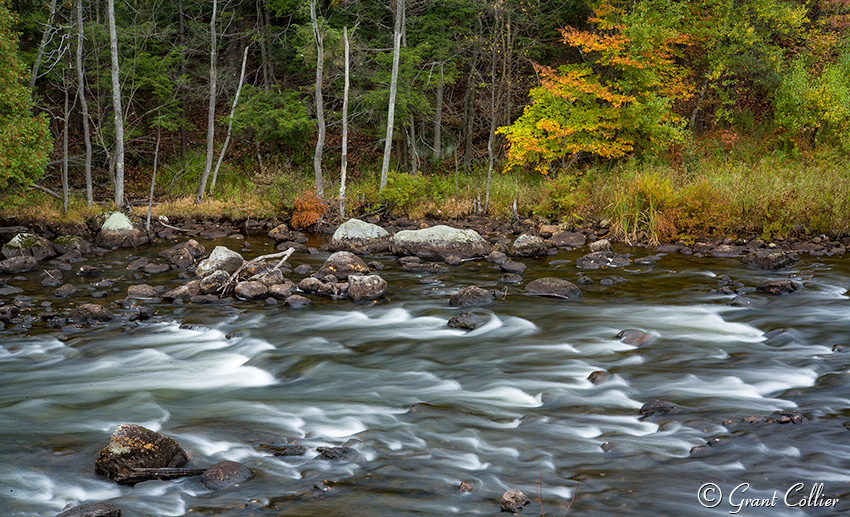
[(283, 255), (13, 230), (139, 475), (47, 190)]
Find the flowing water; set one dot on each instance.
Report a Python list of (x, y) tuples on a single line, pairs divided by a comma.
[(426, 407)]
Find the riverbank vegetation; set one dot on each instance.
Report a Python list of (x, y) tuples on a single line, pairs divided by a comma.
[(670, 119)]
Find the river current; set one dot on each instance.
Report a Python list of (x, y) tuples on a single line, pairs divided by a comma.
[(426, 407)]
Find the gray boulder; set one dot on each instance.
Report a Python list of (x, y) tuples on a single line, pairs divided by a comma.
[(142, 292), (225, 474), (91, 312), (634, 337), (513, 500), (280, 233), (471, 295), (185, 253), (213, 282), (770, 259), (119, 232), (468, 320), (777, 287), (368, 287), (554, 287), (342, 264), (602, 259), (568, 239), (600, 245), (29, 245), (133, 447), (92, 510), (67, 243), (360, 237), (20, 264), (529, 246), (439, 242), (222, 259), (251, 290)]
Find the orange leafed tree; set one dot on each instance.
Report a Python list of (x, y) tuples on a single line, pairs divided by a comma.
[(618, 100)]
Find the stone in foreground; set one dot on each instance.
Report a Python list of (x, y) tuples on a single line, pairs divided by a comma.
[(439, 242), (360, 237), (554, 287), (342, 264), (92, 510), (27, 244), (135, 447), (513, 500), (471, 295), (222, 259), (366, 287), (225, 474)]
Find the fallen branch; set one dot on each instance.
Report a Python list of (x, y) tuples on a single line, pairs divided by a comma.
[(47, 190), (283, 255), (172, 227), (139, 475)]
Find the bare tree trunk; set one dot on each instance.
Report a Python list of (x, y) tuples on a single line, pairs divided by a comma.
[(199, 195), (184, 101), (320, 107), (343, 169), (65, 149), (81, 92), (414, 154), (490, 151), (261, 28), (45, 38), (230, 120), (438, 119), (153, 177), (116, 102), (388, 142)]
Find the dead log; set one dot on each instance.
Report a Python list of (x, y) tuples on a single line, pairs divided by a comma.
[(140, 475)]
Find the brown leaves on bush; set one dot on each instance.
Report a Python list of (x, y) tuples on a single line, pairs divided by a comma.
[(309, 208)]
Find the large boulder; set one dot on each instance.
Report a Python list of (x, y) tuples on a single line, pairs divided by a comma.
[(225, 474), (359, 237), (68, 243), (342, 264), (185, 253), (471, 295), (554, 287), (15, 265), (770, 259), (119, 232), (366, 287), (529, 246), (439, 242), (29, 245), (222, 259), (135, 447)]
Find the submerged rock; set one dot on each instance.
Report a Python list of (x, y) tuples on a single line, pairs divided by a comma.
[(513, 500), (119, 232), (471, 295), (225, 474), (602, 259), (555, 287), (337, 453), (654, 407), (598, 377), (439, 242), (92, 510), (133, 447), (468, 320), (634, 337), (360, 237)]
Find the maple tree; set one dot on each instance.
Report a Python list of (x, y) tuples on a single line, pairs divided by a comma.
[(618, 100)]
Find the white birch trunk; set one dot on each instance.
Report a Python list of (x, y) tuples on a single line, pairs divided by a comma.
[(438, 119), (343, 169), (388, 143), (45, 37), (199, 196), (116, 102), (65, 149), (153, 177), (230, 120), (81, 92), (320, 109)]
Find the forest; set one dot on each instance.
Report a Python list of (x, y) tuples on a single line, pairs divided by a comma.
[(670, 118)]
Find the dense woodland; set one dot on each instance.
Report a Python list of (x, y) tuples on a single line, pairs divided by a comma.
[(412, 86)]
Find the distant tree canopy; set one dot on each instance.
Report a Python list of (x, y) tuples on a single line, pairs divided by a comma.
[(25, 141)]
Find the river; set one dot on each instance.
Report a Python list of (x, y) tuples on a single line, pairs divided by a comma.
[(426, 407)]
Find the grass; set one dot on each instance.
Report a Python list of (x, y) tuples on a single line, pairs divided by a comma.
[(711, 188)]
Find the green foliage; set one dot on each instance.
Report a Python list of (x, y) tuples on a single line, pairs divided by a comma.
[(24, 139), (276, 117)]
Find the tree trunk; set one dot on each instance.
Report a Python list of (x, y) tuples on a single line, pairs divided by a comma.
[(65, 148), (81, 92), (320, 107), (184, 146), (45, 37), (199, 196), (153, 177), (438, 119), (116, 102), (261, 26), (490, 151), (230, 120), (343, 169), (414, 154), (388, 142)]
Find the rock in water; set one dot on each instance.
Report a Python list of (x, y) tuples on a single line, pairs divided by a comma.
[(529, 246), (29, 245), (513, 500), (135, 447), (118, 232), (777, 287), (251, 290), (91, 312), (471, 295), (225, 474), (342, 264), (656, 406), (468, 321), (360, 237), (92, 510), (770, 260), (602, 259), (222, 259), (555, 287), (634, 337), (369, 287), (602, 245), (21, 264), (439, 242)]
